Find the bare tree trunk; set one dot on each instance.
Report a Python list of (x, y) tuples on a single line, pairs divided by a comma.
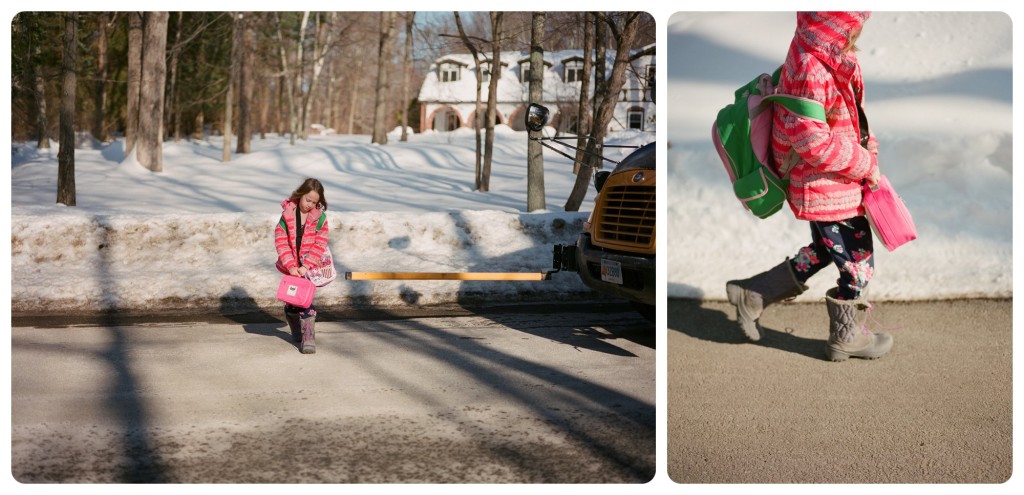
[(42, 123), (353, 97), (173, 122), (291, 81), (332, 107), (264, 98), (492, 98), (323, 42), (199, 132), (606, 108), (283, 84), (300, 61), (534, 150), (131, 131), (151, 98), (407, 70), (583, 114), (33, 79), (380, 120), (66, 153), (229, 97), (99, 127), (600, 65), (247, 58), (478, 171), (199, 123)]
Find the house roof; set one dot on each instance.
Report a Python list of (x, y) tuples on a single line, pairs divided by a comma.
[(510, 88)]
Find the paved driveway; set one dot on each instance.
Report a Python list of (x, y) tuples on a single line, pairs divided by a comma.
[(937, 409)]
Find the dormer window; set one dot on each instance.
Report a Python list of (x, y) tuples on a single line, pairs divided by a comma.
[(449, 72), (635, 119), (573, 71), (485, 72)]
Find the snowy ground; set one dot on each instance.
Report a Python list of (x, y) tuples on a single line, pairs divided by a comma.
[(938, 89), (200, 233), (939, 98)]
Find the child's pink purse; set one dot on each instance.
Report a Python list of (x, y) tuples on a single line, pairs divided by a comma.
[(297, 291), (889, 217)]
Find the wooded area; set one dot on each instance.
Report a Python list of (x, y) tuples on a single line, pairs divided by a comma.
[(147, 77)]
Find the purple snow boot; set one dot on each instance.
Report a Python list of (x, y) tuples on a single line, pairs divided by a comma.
[(308, 345)]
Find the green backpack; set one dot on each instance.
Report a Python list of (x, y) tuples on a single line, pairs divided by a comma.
[(742, 134)]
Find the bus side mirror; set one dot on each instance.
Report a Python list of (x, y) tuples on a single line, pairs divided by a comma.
[(536, 117), (600, 178)]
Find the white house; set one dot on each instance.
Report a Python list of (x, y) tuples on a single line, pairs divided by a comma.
[(448, 94)]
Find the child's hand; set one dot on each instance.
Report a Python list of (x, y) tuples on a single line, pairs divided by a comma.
[(874, 177), (303, 271), (293, 272)]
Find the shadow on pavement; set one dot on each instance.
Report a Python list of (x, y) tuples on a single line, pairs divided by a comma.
[(238, 306), (690, 317)]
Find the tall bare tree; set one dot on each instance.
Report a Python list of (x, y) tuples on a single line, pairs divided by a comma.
[(229, 93), (172, 117), (66, 153), (292, 76), (246, 75), (534, 150), (39, 93), (478, 170), (353, 96), (624, 29), (131, 131), (324, 41), (99, 124), (34, 78), (407, 72), (492, 98), (583, 113), (149, 146), (380, 120)]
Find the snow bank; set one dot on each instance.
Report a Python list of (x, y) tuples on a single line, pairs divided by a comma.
[(938, 93), (80, 262)]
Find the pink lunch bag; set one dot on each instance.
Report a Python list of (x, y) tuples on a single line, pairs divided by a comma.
[(889, 217), (297, 291)]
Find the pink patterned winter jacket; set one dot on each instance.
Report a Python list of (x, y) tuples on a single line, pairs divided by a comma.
[(314, 242), (829, 159)]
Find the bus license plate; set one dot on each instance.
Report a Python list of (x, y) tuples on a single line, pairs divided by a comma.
[(611, 271)]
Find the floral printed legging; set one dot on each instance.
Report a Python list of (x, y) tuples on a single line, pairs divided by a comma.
[(303, 312), (847, 244)]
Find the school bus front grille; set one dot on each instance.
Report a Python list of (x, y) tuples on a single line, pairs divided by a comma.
[(626, 217)]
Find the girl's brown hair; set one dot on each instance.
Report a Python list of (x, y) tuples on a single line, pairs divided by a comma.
[(307, 186)]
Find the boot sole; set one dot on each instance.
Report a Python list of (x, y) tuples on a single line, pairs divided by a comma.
[(309, 349), (837, 356)]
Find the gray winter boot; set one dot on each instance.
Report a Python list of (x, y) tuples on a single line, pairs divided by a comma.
[(848, 336), (308, 345), (753, 295), (293, 324)]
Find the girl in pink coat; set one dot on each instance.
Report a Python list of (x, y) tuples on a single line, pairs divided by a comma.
[(829, 162), (301, 242)]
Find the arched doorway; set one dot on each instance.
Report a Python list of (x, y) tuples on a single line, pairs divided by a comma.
[(445, 119)]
